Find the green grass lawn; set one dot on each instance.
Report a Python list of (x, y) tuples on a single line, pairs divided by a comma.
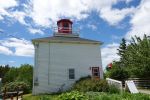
[(39, 97), (92, 96)]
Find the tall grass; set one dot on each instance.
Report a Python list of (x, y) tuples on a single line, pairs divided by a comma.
[(89, 96)]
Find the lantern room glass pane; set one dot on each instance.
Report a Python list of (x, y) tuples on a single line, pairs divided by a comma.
[(66, 25)]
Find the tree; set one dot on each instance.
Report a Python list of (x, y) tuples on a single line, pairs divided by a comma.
[(121, 52), (134, 58), (117, 72), (10, 75), (122, 48), (4, 70), (24, 74), (139, 57)]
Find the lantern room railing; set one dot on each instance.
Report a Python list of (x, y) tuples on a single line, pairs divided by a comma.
[(66, 30)]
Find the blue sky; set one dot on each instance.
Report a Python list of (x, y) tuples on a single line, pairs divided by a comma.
[(103, 20)]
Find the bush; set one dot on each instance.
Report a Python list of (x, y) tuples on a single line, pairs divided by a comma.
[(88, 84), (113, 89), (14, 86), (123, 96), (44, 98), (118, 73), (73, 95)]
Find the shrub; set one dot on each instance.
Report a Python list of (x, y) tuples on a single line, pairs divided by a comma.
[(14, 86), (73, 95), (89, 84), (44, 98), (113, 89), (118, 73)]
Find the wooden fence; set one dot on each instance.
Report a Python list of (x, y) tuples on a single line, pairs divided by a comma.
[(11, 95), (141, 82)]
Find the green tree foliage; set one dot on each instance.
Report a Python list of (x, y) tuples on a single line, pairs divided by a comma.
[(17, 86), (134, 59), (4, 70), (122, 49), (24, 74), (138, 57), (117, 72), (11, 75)]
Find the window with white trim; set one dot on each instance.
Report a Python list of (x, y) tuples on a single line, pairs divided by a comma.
[(71, 73)]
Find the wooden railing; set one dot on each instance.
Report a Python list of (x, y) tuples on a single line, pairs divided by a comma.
[(11, 95)]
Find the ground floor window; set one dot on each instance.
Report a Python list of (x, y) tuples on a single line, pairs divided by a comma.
[(95, 72), (71, 73), (36, 83)]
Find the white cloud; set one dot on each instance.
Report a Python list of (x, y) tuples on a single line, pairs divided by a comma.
[(92, 26), (109, 54), (5, 50), (20, 16), (114, 16), (115, 37), (35, 31), (46, 13), (140, 20), (21, 47), (128, 1), (1, 18), (4, 5), (7, 3), (11, 61)]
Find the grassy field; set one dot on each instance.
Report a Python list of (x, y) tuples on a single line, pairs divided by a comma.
[(92, 96)]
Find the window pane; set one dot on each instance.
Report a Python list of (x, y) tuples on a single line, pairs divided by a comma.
[(96, 74), (65, 25), (95, 70), (71, 74)]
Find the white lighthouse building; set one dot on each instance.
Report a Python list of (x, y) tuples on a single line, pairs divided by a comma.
[(62, 59)]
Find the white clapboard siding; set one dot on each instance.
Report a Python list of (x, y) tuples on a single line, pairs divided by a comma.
[(54, 59)]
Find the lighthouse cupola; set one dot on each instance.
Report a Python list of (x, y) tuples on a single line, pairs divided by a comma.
[(64, 26)]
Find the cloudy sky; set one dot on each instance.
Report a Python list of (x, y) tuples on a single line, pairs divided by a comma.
[(103, 20)]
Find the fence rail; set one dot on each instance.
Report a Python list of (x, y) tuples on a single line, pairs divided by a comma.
[(141, 82), (116, 83), (4, 95)]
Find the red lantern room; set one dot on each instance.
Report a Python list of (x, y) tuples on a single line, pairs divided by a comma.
[(64, 26)]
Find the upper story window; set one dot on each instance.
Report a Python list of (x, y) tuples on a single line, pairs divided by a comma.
[(71, 73)]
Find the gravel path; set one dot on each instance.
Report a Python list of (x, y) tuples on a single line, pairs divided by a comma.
[(146, 91)]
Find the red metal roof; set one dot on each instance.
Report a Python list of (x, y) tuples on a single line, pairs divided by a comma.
[(64, 20)]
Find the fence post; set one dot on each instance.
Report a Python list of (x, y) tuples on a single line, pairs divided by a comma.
[(11, 97), (17, 93), (4, 95)]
